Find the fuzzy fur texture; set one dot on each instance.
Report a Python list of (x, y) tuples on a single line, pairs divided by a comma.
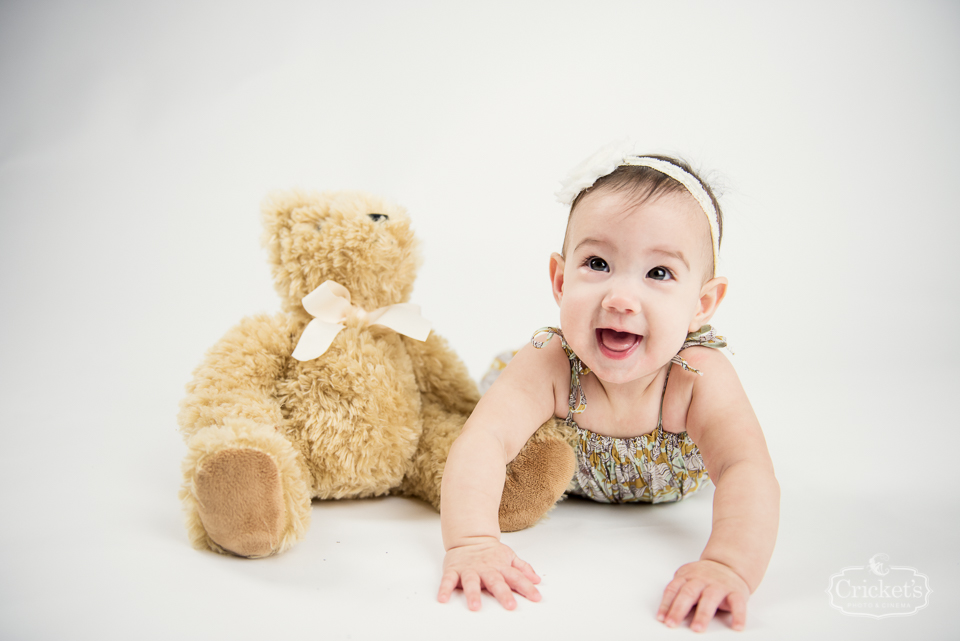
[(375, 414)]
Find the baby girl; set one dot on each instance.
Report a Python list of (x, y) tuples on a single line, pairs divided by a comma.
[(635, 370)]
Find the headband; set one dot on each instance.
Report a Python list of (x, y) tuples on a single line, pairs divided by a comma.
[(608, 159)]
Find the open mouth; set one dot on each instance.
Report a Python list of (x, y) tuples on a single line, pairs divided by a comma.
[(617, 345)]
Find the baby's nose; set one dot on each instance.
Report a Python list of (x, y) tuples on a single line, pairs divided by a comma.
[(621, 300)]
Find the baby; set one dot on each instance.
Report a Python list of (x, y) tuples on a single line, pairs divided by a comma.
[(636, 283)]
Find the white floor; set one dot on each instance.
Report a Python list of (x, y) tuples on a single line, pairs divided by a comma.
[(137, 141), (118, 566)]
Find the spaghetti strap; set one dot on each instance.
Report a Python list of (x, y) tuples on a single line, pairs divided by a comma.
[(663, 395), (578, 400), (706, 336)]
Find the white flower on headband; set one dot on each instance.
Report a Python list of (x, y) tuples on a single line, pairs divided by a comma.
[(603, 162)]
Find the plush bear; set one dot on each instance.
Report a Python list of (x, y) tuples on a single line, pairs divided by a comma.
[(270, 427)]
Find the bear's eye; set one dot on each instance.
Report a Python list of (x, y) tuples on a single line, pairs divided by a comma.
[(378, 217)]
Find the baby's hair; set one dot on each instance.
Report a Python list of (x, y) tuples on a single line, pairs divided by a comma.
[(645, 183)]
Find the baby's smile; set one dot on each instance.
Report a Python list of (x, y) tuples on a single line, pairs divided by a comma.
[(616, 344)]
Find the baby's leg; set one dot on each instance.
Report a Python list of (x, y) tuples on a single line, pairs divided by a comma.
[(538, 476)]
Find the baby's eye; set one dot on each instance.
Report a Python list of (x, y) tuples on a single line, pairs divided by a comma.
[(598, 264), (378, 217), (660, 273)]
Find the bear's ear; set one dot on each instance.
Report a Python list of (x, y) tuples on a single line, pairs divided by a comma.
[(279, 211)]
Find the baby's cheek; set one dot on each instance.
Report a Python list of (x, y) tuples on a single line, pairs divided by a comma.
[(570, 311)]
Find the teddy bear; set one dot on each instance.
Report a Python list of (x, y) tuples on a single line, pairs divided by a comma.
[(302, 405)]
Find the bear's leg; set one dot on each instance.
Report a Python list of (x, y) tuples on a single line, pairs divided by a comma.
[(537, 477), (244, 490), (425, 470)]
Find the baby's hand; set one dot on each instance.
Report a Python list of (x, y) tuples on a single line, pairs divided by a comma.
[(491, 564), (712, 586)]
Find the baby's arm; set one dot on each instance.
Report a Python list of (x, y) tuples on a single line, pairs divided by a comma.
[(521, 399), (746, 504)]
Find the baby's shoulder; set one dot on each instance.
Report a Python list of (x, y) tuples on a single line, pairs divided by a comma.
[(715, 399), (543, 365), (709, 357), (708, 371), (541, 361), (545, 356)]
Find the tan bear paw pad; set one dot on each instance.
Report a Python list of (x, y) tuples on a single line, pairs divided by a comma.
[(535, 481), (241, 501)]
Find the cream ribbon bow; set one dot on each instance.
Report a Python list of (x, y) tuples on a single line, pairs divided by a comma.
[(329, 305)]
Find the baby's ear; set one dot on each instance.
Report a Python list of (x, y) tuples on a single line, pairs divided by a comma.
[(711, 294), (556, 276)]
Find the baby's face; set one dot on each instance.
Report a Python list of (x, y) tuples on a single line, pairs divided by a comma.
[(629, 286)]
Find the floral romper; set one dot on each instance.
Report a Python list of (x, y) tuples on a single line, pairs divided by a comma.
[(652, 468)]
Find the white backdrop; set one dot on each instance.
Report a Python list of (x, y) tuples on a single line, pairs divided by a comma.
[(137, 140)]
